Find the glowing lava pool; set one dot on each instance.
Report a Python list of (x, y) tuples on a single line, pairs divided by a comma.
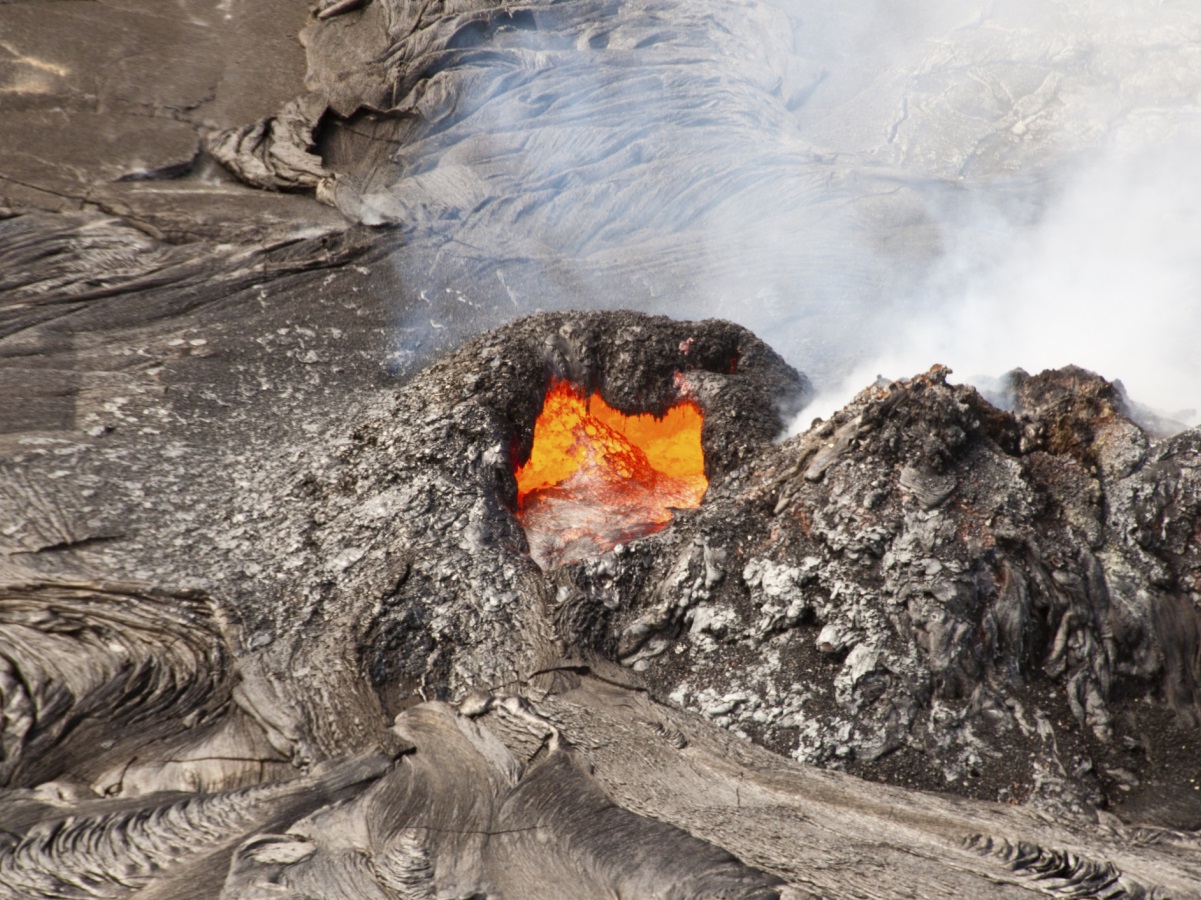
[(597, 477)]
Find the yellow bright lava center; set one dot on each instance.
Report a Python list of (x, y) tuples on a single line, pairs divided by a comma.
[(575, 433)]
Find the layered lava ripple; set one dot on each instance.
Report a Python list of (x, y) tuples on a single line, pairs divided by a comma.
[(597, 477)]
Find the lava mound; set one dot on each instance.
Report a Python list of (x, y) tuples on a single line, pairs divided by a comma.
[(444, 501), (562, 617), (927, 589)]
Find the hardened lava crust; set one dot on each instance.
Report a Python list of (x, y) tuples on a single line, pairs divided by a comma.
[(926, 589), (379, 689)]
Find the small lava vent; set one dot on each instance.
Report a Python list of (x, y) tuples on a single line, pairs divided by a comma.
[(597, 477)]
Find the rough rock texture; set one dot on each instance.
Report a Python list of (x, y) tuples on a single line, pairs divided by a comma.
[(923, 588), (405, 559), (267, 623), (932, 591)]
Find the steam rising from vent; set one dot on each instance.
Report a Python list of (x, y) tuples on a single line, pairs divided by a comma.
[(1107, 277), (874, 188), (597, 477)]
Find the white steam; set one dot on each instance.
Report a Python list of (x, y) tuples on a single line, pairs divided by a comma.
[(873, 187), (1108, 278), (1062, 143)]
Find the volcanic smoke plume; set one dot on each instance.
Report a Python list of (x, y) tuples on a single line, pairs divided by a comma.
[(986, 185)]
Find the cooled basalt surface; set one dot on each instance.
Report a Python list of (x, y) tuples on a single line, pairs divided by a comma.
[(932, 591), (268, 624), (926, 590)]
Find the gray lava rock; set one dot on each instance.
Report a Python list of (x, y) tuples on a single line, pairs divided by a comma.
[(941, 594), (903, 592), (248, 559)]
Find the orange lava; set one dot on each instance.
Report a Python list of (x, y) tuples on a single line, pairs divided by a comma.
[(597, 477)]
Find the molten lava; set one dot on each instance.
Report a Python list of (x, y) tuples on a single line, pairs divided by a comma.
[(597, 477)]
